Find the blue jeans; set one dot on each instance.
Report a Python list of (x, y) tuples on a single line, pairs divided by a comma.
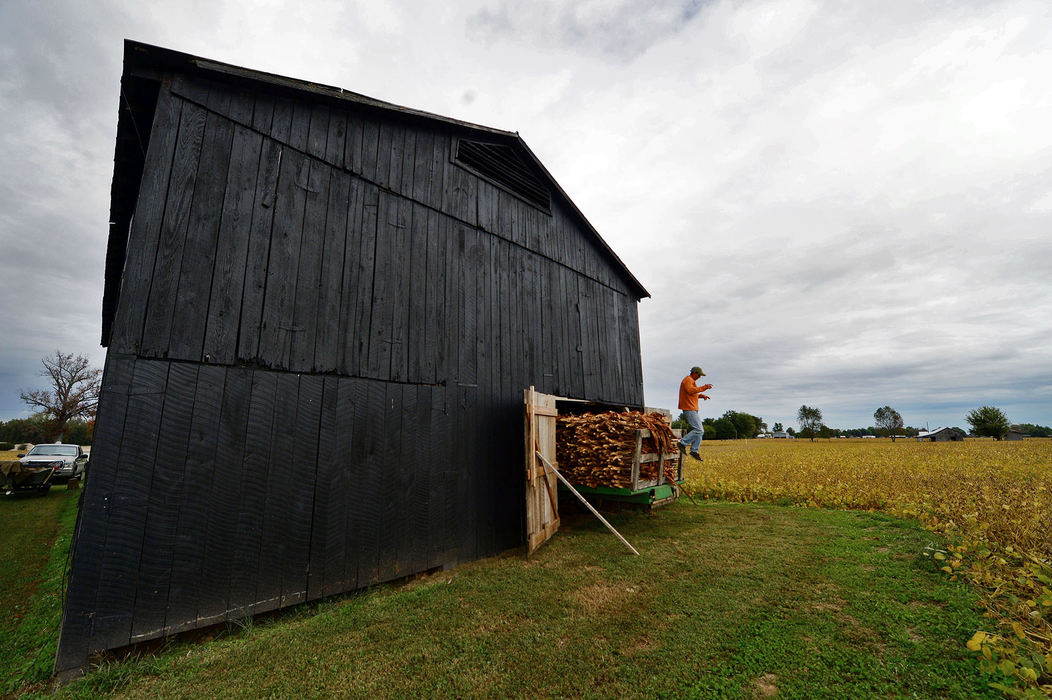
[(695, 436)]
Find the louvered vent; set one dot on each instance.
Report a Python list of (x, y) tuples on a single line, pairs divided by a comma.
[(504, 166)]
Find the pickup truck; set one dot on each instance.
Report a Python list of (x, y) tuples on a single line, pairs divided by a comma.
[(45, 465)]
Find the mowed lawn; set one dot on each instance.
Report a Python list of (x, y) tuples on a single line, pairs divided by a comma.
[(34, 540), (730, 600)]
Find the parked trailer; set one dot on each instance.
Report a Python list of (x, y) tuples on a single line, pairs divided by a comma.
[(542, 487), (648, 493)]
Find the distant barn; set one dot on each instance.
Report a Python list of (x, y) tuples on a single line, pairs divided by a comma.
[(321, 311), (941, 435)]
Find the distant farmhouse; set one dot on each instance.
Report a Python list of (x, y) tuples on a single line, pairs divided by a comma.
[(940, 435)]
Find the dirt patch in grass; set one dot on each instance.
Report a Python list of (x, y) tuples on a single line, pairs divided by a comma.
[(601, 596), (766, 685)]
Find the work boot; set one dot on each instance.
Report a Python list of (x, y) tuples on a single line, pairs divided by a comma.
[(682, 447), (696, 456)]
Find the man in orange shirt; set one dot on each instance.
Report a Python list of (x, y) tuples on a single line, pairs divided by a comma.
[(688, 403)]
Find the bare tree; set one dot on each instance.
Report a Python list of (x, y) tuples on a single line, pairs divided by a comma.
[(74, 390)]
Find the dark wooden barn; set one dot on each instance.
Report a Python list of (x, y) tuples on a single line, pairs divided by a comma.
[(321, 311)]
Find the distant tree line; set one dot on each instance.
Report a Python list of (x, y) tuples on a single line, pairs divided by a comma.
[(986, 421), (1034, 430), (732, 425), (40, 428)]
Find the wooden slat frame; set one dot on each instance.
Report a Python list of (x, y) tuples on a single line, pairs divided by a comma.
[(542, 504)]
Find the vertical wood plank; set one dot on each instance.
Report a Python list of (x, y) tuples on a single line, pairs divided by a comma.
[(363, 301), (166, 266), (263, 113), (258, 391), (461, 194), (418, 284), (394, 506), (329, 329), (275, 544), (424, 143), (190, 312), (443, 486), (575, 341), (485, 426), (336, 139), (308, 279), (389, 137), (166, 491), (489, 208), (326, 550), (299, 131), (508, 313), (407, 185), (188, 554), (242, 106), (277, 327), (586, 310), (419, 457), (397, 155), (610, 326), (318, 135), (281, 123), (467, 251), (228, 282), (400, 251), (359, 515), (440, 154), (370, 148), (146, 226), (352, 151), (224, 502), (388, 351), (370, 415), (356, 257), (256, 265), (303, 474), (434, 301)]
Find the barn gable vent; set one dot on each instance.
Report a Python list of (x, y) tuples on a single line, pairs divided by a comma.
[(505, 167)]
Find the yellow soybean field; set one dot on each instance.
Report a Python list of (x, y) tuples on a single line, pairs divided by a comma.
[(991, 500)]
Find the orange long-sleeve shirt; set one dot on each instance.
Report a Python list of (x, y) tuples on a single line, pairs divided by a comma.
[(688, 394)]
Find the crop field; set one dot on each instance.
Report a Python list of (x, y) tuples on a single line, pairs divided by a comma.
[(991, 500)]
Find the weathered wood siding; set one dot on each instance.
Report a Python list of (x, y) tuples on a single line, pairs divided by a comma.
[(315, 371)]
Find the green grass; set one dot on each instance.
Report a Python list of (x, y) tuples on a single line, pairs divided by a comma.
[(34, 542), (728, 600)]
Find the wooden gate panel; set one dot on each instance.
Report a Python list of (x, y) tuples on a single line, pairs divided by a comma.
[(542, 502)]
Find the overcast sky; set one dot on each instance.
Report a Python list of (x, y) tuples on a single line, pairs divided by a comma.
[(839, 204)]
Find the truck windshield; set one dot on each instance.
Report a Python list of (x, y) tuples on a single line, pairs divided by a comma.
[(53, 451)]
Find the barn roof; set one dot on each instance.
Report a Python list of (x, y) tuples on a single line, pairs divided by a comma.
[(144, 67), (923, 434)]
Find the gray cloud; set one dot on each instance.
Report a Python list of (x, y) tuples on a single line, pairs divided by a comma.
[(621, 29)]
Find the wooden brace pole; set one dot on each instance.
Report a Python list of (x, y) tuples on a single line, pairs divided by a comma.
[(586, 503), (672, 480)]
